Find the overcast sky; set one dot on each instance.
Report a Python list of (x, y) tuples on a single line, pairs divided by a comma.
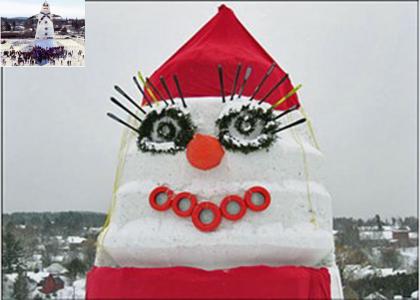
[(357, 62), (27, 8)]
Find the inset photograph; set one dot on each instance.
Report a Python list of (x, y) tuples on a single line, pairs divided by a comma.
[(43, 33)]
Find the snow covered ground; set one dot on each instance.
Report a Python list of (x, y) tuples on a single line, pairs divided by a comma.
[(409, 256), (70, 44), (75, 290), (356, 272), (409, 261)]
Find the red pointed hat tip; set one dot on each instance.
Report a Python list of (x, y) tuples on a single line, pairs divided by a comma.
[(223, 7)]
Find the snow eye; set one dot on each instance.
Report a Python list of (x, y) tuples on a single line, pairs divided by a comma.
[(165, 131), (247, 128)]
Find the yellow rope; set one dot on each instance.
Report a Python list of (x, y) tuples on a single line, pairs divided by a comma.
[(288, 95), (149, 91), (311, 130), (121, 162), (313, 218)]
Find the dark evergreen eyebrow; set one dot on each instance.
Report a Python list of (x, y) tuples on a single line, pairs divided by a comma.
[(179, 90), (274, 88), (115, 118), (266, 75), (117, 103), (235, 82), (136, 82), (156, 91), (222, 88), (121, 91)]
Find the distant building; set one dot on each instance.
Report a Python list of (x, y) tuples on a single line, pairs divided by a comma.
[(51, 284), (75, 241), (56, 269), (3, 24), (400, 237)]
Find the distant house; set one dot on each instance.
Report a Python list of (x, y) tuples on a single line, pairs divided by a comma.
[(56, 269), (3, 24), (400, 237), (51, 284), (75, 242)]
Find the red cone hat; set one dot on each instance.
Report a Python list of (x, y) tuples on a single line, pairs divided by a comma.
[(222, 41)]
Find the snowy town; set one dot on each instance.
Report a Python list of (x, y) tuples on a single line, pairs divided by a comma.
[(42, 39), (47, 255)]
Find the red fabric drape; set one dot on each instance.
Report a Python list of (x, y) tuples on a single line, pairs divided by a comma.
[(257, 282), (223, 40)]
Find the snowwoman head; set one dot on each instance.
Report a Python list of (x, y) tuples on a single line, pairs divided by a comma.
[(213, 171), (45, 8), (211, 157)]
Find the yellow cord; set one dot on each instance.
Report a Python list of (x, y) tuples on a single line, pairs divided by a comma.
[(311, 130), (313, 218), (288, 95), (121, 163)]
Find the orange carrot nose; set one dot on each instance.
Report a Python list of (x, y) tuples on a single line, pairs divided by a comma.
[(204, 152)]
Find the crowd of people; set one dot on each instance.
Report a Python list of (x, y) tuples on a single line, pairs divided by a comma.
[(39, 55)]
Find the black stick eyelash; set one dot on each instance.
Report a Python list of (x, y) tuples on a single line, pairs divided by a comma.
[(120, 90), (266, 75), (156, 91), (289, 126), (274, 88), (235, 82), (142, 91), (165, 86), (179, 91), (115, 118), (285, 112), (116, 102), (222, 91), (247, 74)]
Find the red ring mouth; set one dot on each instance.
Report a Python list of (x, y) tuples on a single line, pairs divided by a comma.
[(207, 216)]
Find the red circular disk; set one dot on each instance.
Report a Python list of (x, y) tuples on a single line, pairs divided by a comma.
[(263, 192), (204, 152), (224, 207), (206, 226), (154, 196), (177, 199)]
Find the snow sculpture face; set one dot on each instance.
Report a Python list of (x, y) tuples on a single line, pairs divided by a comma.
[(207, 163), (212, 184), (45, 8), (204, 142)]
